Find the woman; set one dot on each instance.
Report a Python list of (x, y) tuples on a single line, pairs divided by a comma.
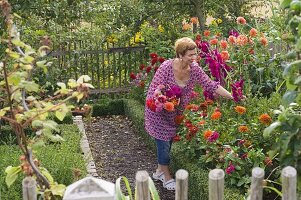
[(185, 73)]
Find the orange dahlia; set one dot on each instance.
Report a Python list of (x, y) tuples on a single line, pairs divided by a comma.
[(207, 134), (213, 41), (253, 32), (241, 20), (216, 115), (243, 129), (224, 44), (240, 109), (202, 122), (263, 41), (206, 33), (232, 39), (265, 119), (225, 55), (179, 119), (169, 106)]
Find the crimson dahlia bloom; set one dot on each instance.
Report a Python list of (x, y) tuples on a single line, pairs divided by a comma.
[(234, 33), (237, 88), (153, 55), (214, 136), (230, 169), (174, 91)]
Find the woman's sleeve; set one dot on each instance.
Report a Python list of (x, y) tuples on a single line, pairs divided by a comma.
[(158, 79), (203, 79)]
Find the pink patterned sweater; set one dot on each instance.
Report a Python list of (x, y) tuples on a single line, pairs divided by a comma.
[(161, 125)]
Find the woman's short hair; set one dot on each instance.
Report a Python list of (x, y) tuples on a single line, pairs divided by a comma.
[(183, 45)]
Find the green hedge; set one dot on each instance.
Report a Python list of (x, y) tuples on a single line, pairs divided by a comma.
[(7, 136), (198, 178), (107, 106), (59, 158)]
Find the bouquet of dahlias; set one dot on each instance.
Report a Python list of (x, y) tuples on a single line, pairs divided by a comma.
[(164, 98)]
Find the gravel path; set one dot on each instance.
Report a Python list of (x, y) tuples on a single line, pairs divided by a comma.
[(118, 151)]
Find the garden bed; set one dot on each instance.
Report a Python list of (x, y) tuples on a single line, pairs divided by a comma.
[(120, 147)]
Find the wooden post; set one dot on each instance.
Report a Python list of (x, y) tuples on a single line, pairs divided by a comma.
[(182, 185), (256, 185), (216, 184), (142, 185), (289, 183), (29, 188)]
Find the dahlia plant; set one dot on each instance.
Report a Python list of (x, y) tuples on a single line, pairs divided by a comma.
[(241, 56), (141, 79), (228, 135)]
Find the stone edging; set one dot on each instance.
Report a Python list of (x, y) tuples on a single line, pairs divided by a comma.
[(90, 164)]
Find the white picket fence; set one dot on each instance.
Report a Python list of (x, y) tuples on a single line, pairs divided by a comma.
[(216, 186)]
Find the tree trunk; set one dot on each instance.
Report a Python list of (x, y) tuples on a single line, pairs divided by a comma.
[(199, 12)]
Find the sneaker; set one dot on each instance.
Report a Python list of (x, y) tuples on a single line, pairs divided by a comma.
[(159, 176), (170, 185)]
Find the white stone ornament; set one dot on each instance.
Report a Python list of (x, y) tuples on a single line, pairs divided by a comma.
[(90, 188)]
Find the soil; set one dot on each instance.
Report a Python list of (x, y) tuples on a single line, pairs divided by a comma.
[(118, 150)]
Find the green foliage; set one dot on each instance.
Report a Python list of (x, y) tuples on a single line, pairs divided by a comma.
[(289, 114), (61, 160), (22, 105), (108, 107), (239, 144), (7, 135)]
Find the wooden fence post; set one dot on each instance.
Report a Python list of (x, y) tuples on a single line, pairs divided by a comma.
[(256, 185), (216, 184), (29, 188), (289, 183), (142, 185), (182, 185)]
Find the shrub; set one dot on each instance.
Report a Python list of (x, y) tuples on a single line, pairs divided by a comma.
[(59, 158), (108, 107)]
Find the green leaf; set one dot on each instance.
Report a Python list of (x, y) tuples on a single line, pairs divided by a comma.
[(118, 191), (55, 138), (285, 4), (38, 144), (46, 173), (27, 59), (267, 131), (12, 174), (30, 86), (153, 190), (2, 112), (36, 123), (83, 78), (72, 83), (60, 115), (50, 124), (62, 85), (298, 80), (289, 97), (18, 42), (273, 189), (58, 189)]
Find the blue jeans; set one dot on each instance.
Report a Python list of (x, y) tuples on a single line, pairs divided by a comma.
[(163, 151)]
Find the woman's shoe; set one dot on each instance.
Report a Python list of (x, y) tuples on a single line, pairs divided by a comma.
[(170, 185), (159, 176)]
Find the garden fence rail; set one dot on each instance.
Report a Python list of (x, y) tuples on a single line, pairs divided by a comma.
[(107, 64)]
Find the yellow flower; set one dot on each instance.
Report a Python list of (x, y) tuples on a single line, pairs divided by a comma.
[(214, 23), (112, 39), (138, 37), (160, 28), (219, 20)]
